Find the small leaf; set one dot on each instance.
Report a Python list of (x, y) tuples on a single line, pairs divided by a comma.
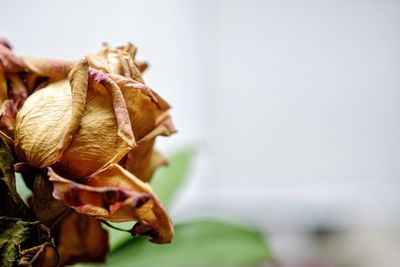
[(167, 180), (201, 243), (11, 203)]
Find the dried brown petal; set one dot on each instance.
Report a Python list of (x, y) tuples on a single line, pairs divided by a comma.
[(116, 61), (114, 194), (54, 68), (50, 117), (80, 238)]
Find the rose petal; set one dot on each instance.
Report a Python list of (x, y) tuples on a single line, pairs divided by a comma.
[(114, 194), (116, 61), (41, 142), (9, 61), (144, 161), (55, 68), (80, 238)]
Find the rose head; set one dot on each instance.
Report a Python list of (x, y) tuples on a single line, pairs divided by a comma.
[(92, 123)]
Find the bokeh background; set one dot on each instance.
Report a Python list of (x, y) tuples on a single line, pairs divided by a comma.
[(292, 107)]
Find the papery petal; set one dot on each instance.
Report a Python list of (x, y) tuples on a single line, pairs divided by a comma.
[(144, 160), (50, 117), (55, 68), (114, 194), (150, 118), (116, 61), (80, 238), (145, 107)]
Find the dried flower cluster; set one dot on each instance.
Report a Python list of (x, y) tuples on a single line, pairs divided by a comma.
[(82, 135)]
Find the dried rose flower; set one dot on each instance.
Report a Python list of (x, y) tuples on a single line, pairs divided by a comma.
[(93, 124)]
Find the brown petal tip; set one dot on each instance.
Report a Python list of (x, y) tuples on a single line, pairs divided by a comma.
[(141, 228)]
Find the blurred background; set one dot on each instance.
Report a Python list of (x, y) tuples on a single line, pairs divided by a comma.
[(292, 107)]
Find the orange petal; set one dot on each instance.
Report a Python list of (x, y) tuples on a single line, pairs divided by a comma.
[(144, 106), (114, 194)]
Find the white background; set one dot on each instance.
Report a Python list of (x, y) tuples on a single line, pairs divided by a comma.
[(293, 106)]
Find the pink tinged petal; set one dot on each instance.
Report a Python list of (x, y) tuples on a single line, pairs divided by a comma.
[(116, 195), (120, 108), (55, 68), (10, 62)]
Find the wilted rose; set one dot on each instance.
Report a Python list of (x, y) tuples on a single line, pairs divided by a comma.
[(93, 124)]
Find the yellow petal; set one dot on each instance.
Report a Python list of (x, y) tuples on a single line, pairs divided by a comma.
[(50, 117), (114, 194)]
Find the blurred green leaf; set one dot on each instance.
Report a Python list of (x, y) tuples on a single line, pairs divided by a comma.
[(168, 180), (201, 243), (165, 183), (22, 189)]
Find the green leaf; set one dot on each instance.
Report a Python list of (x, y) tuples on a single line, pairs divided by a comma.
[(165, 183), (11, 203), (201, 243), (168, 180)]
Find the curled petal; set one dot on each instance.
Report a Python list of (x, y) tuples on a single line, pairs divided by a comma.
[(150, 117), (142, 66), (116, 61), (114, 194), (119, 105), (146, 108), (144, 160)]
